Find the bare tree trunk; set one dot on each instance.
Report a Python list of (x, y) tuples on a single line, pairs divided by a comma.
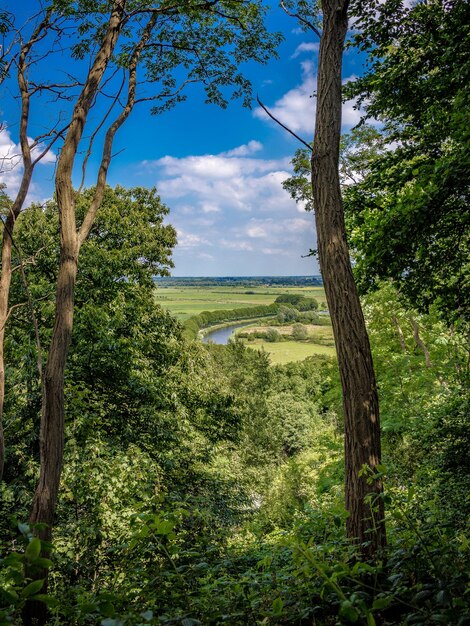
[(51, 438), (5, 281), (419, 342), (365, 523), (15, 209), (401, 336)]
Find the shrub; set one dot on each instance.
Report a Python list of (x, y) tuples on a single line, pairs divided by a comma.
[(299, 332), (272, 335)]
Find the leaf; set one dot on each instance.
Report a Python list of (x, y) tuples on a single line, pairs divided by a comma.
[(32, 588), (278, 606), (147, 615), (381, 603), (10, 595), (49, 601), (348, 611), (33, 549)]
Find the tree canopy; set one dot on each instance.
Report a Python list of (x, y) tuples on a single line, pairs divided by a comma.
[(408, 218)]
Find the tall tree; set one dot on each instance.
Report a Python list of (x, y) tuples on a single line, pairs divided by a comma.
[(173, 45), (20, 53), (363, 487), (361, 407)]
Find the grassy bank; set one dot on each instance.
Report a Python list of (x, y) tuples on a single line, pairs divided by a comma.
[(288, 351)]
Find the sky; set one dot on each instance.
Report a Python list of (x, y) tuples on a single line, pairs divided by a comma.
[(219, 171)]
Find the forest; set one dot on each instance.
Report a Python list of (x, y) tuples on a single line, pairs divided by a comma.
[(147, 477)]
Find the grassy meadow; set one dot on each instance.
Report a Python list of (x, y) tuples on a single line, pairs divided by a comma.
[(185, 302), (287, 351)]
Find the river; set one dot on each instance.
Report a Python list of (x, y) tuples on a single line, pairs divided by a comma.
[(222, 335)]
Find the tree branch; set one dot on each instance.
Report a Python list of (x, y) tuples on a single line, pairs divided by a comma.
[(301, 19), (282, 125)]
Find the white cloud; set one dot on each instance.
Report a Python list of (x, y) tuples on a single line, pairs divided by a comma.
[(297, 107), (284, 230), (256, 231), (275, 251), (208, 207), (250, 148), (309, 46), (238, 217), (224, 182), (11, 163), (191, 240), (231, 244)]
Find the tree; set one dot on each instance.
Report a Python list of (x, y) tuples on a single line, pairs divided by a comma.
[(363, 487), (20, 52), (172, 46), (408, 218)]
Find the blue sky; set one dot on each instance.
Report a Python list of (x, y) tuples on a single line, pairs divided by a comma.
[(219, 171)]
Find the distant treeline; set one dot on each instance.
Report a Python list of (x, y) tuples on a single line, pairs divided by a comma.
[(239, 281), (285, 301)]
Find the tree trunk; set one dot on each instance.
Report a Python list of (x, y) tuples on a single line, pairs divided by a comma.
[(15, 209), (52, 419), (401, 336), (419, 342), (365, 523), (5, 281), (51, 437)]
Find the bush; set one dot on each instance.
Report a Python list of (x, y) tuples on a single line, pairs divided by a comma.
[(272, 335), (287, 314), (299, 332)]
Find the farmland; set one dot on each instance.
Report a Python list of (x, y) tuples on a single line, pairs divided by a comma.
[(185, 302), (287, 351)]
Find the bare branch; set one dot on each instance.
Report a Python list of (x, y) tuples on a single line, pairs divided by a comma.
[(169, 95), (302, 20), (282, 125), (30, 260), (112, 130), (96, 131)]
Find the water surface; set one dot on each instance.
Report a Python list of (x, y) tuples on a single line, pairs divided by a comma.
[(221, 336)]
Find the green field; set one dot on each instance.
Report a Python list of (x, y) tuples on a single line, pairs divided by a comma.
[(286, 351), (185, 302)]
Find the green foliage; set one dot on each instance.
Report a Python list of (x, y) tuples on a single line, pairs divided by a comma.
[(408, 217), (16, 572), (272, 335), (299, 332)]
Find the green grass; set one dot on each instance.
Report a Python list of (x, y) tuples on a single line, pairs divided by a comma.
[(185, 302), (287, 351)]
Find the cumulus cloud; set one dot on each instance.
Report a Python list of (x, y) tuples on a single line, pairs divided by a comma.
[(308, 46), (232, 206), (297, 107), (240, 245), (190, 240), (235, 180), (11, 163), (250, 148)]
